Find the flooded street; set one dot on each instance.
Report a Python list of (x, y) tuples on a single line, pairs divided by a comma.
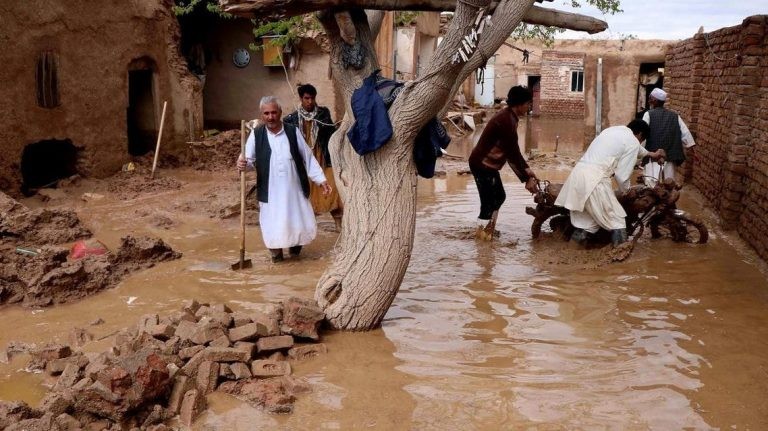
[(481, 335)]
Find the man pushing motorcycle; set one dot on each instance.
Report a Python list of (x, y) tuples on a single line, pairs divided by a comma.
[(588, 191)]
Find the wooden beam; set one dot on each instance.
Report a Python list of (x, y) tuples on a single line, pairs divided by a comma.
[(278, 9)]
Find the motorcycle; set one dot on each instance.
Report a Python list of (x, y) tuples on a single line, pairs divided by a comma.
[(646, 206)]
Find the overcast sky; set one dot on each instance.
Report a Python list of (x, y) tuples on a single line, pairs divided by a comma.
[(665, 19)]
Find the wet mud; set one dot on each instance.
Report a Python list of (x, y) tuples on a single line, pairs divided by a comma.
[(215, 153), (37, 268), (52, 277), (508, 334), (131, 185)]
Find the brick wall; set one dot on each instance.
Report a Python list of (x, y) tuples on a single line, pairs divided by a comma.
[(556, 95), (716, 82)]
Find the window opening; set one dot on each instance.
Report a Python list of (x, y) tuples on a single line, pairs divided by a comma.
[(577, 81), (47, 79)]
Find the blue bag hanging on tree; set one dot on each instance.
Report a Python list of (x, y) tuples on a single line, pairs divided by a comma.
[(372, 127)]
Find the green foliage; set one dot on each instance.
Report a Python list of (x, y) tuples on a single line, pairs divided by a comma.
[(605, 6), (538, 32), (405, 18), (287, 31), (186, 7), (547, 34)]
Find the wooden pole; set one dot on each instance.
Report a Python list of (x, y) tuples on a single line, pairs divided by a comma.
[(159, 138), (242, 197)]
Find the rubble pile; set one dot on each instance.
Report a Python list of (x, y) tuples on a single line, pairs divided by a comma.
[(50, 277), (164, 367), (216, 152), (40, 226), (36, 269)]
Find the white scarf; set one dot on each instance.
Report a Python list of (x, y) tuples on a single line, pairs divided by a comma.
[(309, 116)]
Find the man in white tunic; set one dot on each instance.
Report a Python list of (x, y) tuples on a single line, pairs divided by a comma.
[(588, 191), (668, 132), (284, 165)]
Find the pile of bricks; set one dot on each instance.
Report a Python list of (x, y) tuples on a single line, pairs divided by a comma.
[(164, 367)]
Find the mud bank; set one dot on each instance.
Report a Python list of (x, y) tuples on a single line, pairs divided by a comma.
[(217, 152), (161, 369), (36, 269)]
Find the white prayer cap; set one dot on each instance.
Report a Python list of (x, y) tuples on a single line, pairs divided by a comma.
[(659, 94)]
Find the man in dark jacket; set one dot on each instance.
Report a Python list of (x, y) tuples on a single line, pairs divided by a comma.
[(669, 133), (498, 145), (315, 124)]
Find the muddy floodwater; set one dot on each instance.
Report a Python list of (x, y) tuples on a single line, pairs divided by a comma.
[(481, 336)]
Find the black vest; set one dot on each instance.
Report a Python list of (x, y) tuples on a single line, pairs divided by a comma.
[(666, 134), (263, 155)]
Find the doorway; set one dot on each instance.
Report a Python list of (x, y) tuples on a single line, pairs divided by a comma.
[(651, 76), (142, 127), (534, 84)]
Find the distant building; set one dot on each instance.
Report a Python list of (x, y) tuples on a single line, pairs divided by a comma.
[(563, 77)]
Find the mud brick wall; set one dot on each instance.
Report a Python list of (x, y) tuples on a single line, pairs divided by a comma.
[(95, 44), (557, 99), (718, 82)]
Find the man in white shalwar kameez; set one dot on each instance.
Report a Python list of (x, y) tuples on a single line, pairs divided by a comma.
[(285, 165), (588, 191)]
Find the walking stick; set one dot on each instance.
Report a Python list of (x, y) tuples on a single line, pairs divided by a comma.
[(159, 137), (243, 263)]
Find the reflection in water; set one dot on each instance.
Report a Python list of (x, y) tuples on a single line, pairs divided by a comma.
[(561, 135), (481, 336), (510, 343)]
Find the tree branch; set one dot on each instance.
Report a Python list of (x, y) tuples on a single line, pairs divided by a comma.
[(434, 85), (491, 41), (279, 9), (375, 18), (566, 20)]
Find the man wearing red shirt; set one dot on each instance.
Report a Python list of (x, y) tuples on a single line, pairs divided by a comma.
[(498, 145)]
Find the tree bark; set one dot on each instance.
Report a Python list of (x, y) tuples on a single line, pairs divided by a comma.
[(379, 189), (379, 193), (279, 9)]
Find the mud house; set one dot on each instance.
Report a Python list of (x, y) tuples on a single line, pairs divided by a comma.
[(84, 86), (565, 78), (235, 76), (415, 43), (89, 83)]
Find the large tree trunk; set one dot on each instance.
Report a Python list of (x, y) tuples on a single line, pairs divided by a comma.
[(379, 193), (379, 189)]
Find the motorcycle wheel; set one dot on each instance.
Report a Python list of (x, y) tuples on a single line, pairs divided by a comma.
[(681, 227)]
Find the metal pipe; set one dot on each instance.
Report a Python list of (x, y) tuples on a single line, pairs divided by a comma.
[(599, 98)]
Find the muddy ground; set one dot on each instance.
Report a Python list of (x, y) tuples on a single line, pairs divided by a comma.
[(510, 334), (37, 264)]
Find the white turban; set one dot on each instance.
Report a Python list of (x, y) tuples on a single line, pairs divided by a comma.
[(659, 94)]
